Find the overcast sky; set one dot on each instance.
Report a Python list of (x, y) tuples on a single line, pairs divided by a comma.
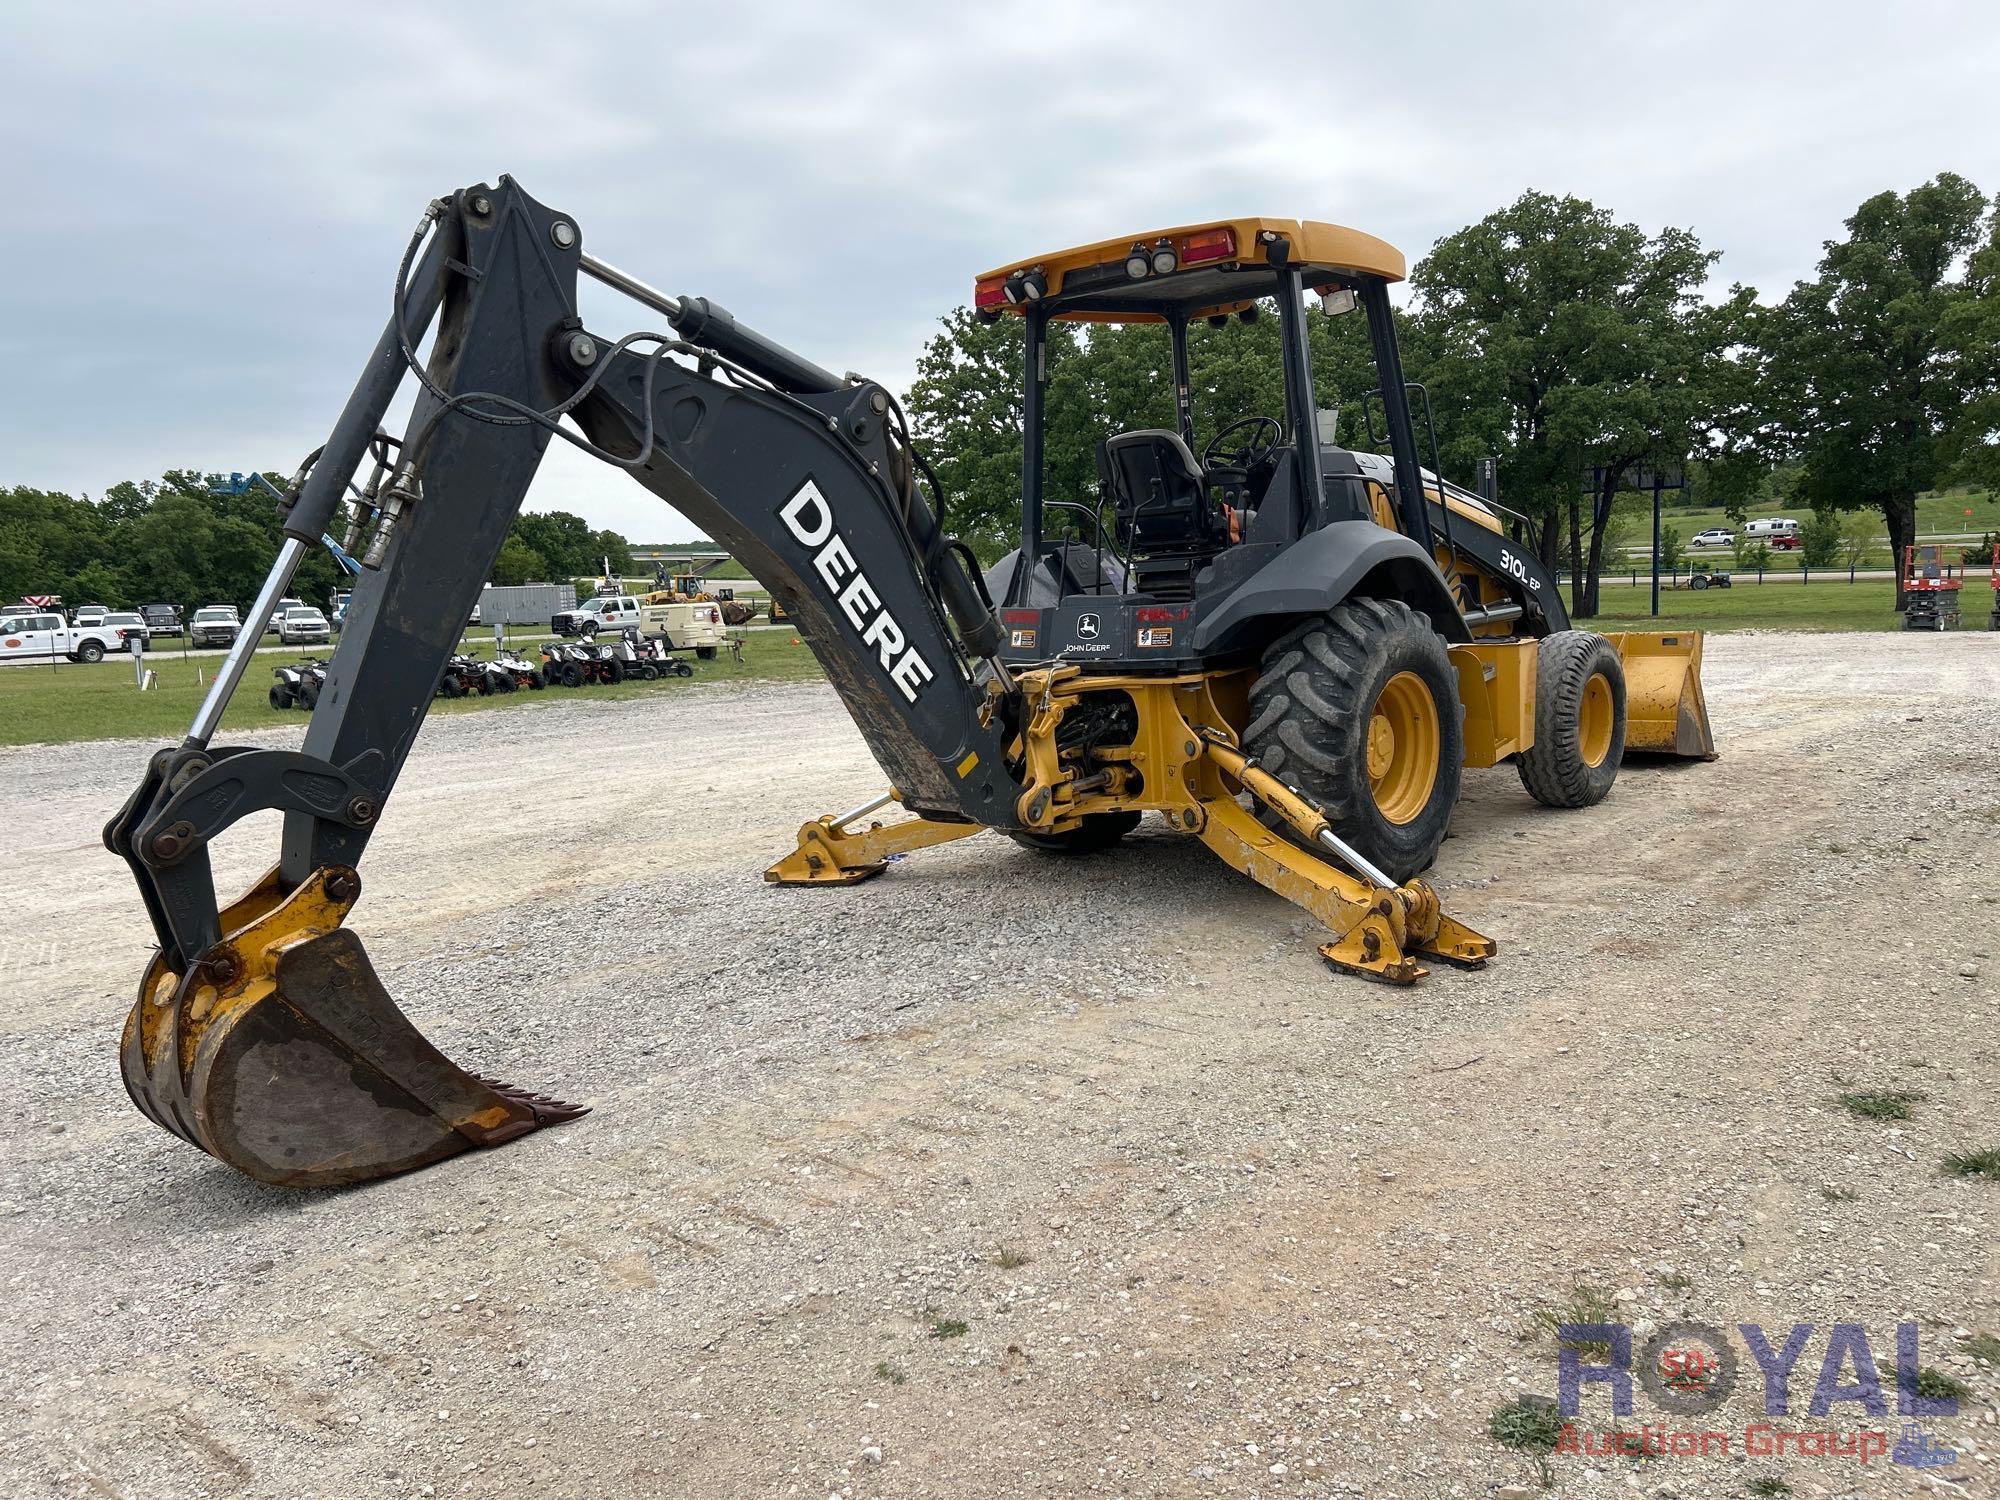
[(206, 202)]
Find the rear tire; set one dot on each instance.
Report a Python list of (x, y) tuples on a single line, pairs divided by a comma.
[(90, 651), (706, 653), (449, 687), (572, 675), (1358, 709), (1097, 831), (1579, 721)]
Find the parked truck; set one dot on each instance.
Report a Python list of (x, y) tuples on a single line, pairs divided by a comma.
[(686, 625), (43, 635)]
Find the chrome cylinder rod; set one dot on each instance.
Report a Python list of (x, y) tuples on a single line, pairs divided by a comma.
[(631, 286), (1353, 860), (866, 808), (209, 717)]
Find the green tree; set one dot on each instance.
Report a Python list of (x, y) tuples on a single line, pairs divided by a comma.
[(518, 563), (1577, 349), (1670, 548), (612, 550), (965, 412), (1880, 367), (1970, 332), (1857, 540), (565, 541), (1819, 539)]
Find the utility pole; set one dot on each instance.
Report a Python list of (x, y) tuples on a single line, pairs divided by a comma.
[(1657, 477)]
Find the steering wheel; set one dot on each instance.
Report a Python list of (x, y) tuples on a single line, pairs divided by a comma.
[(1250, 453)]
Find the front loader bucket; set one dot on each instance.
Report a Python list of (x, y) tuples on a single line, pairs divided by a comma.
[(281, 1054), (1665, 712)]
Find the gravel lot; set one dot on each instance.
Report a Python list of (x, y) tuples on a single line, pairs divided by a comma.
[(1010, 1175)]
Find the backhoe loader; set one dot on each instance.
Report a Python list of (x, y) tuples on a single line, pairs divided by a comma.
[(1285, 649)]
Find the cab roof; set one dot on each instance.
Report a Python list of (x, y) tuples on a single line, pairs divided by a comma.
[(1219, 267)]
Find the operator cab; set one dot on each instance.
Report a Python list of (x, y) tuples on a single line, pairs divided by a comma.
[(1173, 523)]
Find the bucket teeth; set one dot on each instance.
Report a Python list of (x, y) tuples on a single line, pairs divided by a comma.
[(548, 1111)]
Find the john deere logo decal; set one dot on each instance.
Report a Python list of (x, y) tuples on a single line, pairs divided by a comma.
[(1086, 627)]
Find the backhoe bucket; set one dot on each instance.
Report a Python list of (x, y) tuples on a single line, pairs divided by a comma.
[(281, 1054), (1665, 712)]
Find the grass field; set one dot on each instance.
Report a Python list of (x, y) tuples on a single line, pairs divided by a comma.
[(1867, 605), (44, 705), (1935, 513)]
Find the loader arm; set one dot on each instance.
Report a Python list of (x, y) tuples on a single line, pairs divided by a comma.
[(805, 476)]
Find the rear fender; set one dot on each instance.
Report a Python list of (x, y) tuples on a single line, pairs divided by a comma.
[(1325, 568)]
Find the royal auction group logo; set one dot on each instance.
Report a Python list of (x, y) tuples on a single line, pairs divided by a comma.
[(1689, 1370)]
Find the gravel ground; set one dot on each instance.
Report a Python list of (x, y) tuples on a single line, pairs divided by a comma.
[(1011, 1175)]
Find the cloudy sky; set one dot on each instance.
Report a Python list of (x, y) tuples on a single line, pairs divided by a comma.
[(207, 202)]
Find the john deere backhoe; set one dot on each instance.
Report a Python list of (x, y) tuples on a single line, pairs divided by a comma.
[(1284, 648)]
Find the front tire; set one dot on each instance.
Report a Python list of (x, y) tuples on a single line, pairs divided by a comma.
[(280, 698), (706, 653), (1579, 721), (1358, 709)]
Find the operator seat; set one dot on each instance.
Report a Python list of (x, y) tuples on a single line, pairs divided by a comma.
[(1160, 494)]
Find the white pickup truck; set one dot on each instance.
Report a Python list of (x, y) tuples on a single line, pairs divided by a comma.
[(696, 625), (42, 636)]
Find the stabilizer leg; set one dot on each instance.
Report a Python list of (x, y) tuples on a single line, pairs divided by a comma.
[(1380, 928), (829, 854)]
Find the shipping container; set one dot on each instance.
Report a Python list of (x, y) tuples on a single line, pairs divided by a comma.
[(525, 604)]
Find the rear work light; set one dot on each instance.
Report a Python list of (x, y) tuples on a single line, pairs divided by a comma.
[(1207, 245)]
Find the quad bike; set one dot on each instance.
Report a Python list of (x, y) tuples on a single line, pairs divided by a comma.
[(297, 684), (563, 664), (462, 677), (1285, 649), (518, 671), (599, 663)]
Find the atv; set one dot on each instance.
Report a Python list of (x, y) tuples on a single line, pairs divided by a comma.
[(517, 670), (297, 684), (463, 675)]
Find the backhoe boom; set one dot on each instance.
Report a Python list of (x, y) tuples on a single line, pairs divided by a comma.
[(806, 478)]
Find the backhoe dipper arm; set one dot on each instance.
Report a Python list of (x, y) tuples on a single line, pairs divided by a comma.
[(260, 1032), (805, 477)]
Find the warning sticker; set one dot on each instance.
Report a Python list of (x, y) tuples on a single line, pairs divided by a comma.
[(1156, 635), (1021, 640)]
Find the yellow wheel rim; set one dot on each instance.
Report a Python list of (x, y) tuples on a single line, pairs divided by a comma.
[(1593, 725), (1403, 748)]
